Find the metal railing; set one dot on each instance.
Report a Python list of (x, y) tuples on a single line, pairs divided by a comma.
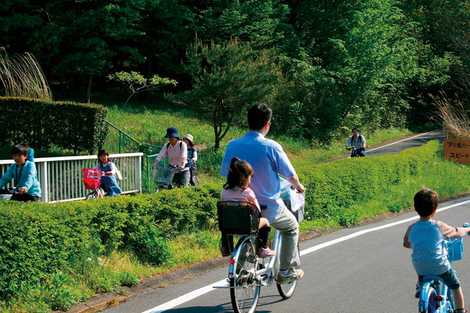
[(61, 177)]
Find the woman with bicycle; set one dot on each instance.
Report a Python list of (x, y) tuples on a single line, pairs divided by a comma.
[(426, 239)]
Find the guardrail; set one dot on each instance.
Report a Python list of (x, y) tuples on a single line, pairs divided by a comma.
[(61, 177)]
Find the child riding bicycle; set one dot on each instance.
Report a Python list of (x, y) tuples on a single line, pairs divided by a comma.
[(24, 174), (426, 239)]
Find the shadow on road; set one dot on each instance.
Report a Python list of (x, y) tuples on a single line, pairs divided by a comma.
[(209, 309), (226, 307)]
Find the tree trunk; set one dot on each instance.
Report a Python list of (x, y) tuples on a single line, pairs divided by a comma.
[(88, 92)]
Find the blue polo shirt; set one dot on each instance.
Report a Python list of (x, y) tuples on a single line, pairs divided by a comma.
[(269, 162)]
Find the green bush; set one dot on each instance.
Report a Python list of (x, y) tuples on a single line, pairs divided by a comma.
[(42, 123), (149, 244), (335, 190), (43, 243), (52, 246)]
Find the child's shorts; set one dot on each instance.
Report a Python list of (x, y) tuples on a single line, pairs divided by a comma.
[(450, 278)]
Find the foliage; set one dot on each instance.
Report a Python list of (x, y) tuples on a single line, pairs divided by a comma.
[(22, 76), (344, 63), (149, 244), (50, 248), (75, 41), (227, 78), (69, 125), (46, 248), (136, 82), (334, 187)]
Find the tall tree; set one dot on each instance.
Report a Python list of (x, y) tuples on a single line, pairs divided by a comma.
[(227, 78)]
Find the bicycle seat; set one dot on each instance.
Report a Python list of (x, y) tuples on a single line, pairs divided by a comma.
[(430, 278), (238, 218)]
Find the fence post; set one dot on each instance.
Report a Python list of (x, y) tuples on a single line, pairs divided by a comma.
[(139, 171), (44, 181)]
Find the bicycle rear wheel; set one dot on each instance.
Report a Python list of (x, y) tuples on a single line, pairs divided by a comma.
[(428, 302), (244, 287)]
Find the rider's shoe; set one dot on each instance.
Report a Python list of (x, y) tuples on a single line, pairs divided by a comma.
[(286, 277), (266, 253), (418, 291), (460, 311)]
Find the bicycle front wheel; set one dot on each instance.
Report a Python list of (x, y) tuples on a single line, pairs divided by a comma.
[(287, 290), (244, 286)]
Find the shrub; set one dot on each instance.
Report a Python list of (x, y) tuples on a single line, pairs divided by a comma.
[(51, 246), (42, 243), (69, 125), (335, 190), (149, 244)]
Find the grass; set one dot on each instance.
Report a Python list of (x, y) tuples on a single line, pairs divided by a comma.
[(22, 76), (148, 124)]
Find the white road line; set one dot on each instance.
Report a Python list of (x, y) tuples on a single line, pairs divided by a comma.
[(399, 141), (207, 289)]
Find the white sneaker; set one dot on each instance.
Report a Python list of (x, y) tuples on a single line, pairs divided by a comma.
[(289, 276)]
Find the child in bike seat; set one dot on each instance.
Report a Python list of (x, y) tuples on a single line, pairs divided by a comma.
[(237, 189), (426, 240)]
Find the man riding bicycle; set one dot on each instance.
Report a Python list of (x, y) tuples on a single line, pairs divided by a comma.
[(270, 162), (357, 144)]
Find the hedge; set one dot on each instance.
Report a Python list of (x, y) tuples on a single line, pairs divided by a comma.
[(41, 241), (334, 188), (43, 123), (38, 240)]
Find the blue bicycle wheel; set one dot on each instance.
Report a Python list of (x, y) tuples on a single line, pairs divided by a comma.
[(428, 301)]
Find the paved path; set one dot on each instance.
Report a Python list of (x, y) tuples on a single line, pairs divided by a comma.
[(361, 270), (414, 141), (366, 271)]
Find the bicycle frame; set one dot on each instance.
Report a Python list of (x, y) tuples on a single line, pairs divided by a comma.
[(270, 271)]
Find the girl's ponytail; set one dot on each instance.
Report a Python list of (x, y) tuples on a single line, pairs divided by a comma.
[(239, 173)]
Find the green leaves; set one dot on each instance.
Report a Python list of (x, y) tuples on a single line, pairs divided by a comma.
[(72, 126), (228, 78), (49, 248), (137, 83)]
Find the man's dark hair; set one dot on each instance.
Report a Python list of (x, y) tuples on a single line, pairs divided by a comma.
[(19, 149), (258, 116), (425, 202)]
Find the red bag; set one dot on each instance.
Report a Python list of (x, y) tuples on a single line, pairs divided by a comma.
[(91, 178)]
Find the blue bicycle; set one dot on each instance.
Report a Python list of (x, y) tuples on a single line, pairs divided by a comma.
[(435, 296)]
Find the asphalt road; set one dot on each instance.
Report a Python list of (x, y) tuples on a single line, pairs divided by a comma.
[(407, 143), (367, 273)]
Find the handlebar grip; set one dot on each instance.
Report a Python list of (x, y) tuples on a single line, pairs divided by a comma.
[(466, 225)]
